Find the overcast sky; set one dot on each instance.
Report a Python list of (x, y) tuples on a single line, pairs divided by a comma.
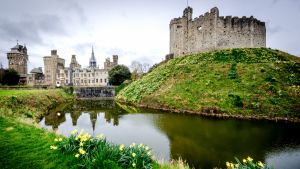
[(133, 29)]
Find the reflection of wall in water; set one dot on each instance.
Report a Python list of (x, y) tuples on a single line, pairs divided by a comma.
[(53, 120)]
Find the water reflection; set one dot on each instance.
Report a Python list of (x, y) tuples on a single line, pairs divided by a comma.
[(203, 142)]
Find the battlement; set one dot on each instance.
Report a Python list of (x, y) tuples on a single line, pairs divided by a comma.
[(53, 52), (211, 31)]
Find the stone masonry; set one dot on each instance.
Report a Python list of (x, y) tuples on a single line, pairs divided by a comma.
[(214, 32)]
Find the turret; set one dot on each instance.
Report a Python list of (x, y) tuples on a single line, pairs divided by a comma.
[(115, 60), (188, 13)]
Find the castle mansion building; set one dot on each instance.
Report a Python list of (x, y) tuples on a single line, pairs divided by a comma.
[(91, 76), (214, 32)]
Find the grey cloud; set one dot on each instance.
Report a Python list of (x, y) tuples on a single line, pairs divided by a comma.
[(73, 5), (144, 59), (81, 47), (272, 29), (29, 29), (115, 51)]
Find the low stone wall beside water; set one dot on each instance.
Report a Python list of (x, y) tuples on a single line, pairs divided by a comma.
[(94, 92)]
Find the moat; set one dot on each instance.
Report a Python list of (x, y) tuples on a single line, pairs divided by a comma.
[(203, 141)]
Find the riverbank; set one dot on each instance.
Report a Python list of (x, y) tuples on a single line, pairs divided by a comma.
[(24, 144), (246, 83)]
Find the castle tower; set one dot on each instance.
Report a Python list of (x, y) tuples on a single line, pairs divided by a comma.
[(210, 32), (74, 63), (51, 64), (17, 60), (93, 62), (115, 60)]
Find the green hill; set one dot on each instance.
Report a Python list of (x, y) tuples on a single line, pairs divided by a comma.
[(246, 81)]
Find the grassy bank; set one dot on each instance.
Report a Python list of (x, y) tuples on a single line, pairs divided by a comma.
[(4, 93), (246, 81), (25, 145)]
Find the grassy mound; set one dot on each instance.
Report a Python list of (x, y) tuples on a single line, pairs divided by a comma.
[(246, 81)]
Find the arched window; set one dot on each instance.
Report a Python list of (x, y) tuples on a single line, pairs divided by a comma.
[(100, 80)]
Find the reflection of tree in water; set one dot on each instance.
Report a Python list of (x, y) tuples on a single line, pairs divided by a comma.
[(54, 120)]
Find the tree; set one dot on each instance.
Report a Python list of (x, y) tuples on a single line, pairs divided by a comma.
[(11, 77), (118, 74), (2, 73), (138, 69)]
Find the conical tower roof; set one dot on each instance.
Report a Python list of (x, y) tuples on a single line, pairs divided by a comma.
[(93, 61)]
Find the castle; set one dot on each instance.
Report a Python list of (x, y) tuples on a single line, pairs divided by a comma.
[(213, 32), (17, 59)]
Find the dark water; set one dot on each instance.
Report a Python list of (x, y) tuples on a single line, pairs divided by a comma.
[(204, 142)]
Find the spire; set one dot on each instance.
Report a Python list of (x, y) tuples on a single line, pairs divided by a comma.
[(93, 62)]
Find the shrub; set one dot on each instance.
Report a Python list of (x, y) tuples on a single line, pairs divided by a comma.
[(44, 87), (118, 74), (233, 75), (237, 100), (233, 66), (247, 164), (91, 152), (256, 105), (262, 70), (273, 100), (71, 89)]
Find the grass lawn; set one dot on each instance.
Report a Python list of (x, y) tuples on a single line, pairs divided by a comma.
[(15, 86), (4, 93), (25, 146)]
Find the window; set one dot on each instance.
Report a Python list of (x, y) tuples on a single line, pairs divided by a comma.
[(96, 80), (93, 81), (66, 81), (81, 75), (74, 75), (96, 74), (105, 80), (100, 80), (81, 81), (89, 75), (84, 75)]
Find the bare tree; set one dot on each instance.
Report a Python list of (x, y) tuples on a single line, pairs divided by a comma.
[(2, 72), (145, 67)]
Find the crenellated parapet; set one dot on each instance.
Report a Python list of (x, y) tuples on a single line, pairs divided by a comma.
[(210, 32)]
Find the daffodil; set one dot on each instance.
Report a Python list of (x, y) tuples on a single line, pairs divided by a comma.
[(227, 164), (60, 139), (101, 136), (231, 165), (93, 160), (147, 148), (76, 138), (77, 155), (130, 146), (236, 166), (55, 139), (250, 159), (91, 139), (51, 147), (133, 144), (260, 164), (133, 154), (149, 153), (54, 147), (80, 144), (97, 137), (133, 164), (244, 160)]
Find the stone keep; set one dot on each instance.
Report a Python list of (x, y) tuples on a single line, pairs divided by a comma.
[(17, 59), (51, 64), (214, 32)]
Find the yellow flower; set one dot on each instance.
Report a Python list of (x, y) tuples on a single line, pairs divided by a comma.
[(54, 147), (227, 164), (79, 136), (260, 164), (89, 136), (133, 154), (133, 164), (73, 132), (101, 136), (231, 165), (80, 144), (80, 150), (236, 166), (80, 132), (97, 137), (83, 152), (91, 139), (130, 146), (60, 139), (121, 147), (250, 159), (149, 153), (244, 160), (55, 139), (93, 160), (147, 148), (51, 147), (133, 144), (77, 155), (76, 138)]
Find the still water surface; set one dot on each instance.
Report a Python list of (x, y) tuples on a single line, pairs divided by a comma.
[(202, 141)]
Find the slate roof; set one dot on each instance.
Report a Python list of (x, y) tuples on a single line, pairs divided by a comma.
[(15, 47), (15, 52), (36, 70)]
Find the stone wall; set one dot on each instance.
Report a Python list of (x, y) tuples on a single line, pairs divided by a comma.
[(94, 92), (214, 32)]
